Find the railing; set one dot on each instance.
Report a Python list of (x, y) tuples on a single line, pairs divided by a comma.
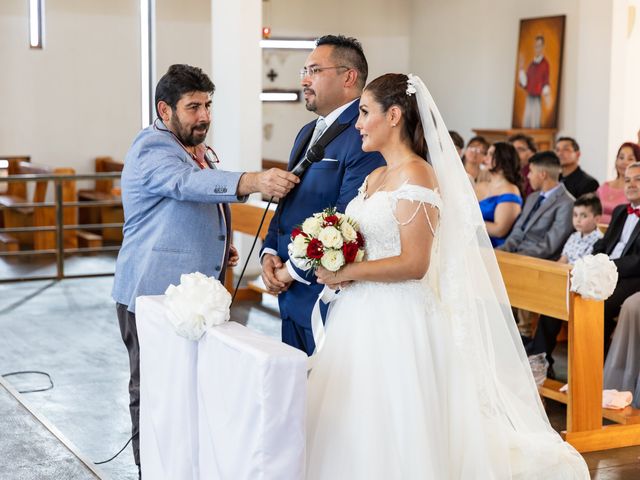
[(59, 228)]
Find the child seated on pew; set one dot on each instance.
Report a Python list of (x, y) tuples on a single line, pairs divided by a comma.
[(587, 210)]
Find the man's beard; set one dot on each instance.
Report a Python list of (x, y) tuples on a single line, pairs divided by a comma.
[(188, 136), (310, 104)]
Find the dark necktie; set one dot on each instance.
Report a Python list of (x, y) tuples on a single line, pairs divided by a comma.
[(535, 208)]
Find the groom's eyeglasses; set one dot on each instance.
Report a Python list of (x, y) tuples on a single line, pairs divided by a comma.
[(311, 71)]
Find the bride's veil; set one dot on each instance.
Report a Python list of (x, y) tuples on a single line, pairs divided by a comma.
[(474, 297)]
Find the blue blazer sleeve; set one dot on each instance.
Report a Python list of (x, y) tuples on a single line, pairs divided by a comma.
[(163, 172)]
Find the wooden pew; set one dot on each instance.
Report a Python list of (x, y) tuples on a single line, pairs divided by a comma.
[(103, 191), (39, 216), (542, 286), (245, 218)]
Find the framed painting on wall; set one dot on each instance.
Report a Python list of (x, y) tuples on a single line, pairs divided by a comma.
[(538, 68)]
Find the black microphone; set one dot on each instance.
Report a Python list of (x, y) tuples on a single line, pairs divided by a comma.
[(313, 155)]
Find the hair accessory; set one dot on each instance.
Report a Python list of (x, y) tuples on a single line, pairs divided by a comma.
[(411, 86)]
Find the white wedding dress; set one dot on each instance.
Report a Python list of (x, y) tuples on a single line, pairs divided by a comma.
[(395, 394)]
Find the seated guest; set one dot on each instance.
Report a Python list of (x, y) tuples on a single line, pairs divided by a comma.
[(526, 147), (458, 141), (622, 243), (622, 366), (500, 200), (586, 215), (577, 181), (587, 212), (474, 155), (611, 193), (545, 223)]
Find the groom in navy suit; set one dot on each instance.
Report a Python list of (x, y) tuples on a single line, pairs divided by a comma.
[(333, 78)]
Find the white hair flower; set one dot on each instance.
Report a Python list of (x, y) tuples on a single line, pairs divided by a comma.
[(411, 84)]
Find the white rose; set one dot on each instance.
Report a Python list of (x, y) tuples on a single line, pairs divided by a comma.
[(197, 304), (348, 232), (359, 255), (311, 226), (299, 246), (330, 237), (332, 260)]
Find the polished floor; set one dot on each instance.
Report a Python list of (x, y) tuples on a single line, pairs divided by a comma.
[(69, 330)]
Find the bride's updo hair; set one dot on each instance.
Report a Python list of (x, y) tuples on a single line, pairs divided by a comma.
[(391, 89)]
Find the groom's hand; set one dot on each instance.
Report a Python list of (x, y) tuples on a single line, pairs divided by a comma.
[(270, 264)]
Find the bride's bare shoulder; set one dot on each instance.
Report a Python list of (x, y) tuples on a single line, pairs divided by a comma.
[(419, 172)]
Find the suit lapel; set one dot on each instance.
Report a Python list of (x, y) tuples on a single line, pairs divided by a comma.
[(616, 226), (305, 137), (546, 205), (632, 238)]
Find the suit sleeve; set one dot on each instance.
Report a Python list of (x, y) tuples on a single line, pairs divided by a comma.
[(163, 172), (516, 235)]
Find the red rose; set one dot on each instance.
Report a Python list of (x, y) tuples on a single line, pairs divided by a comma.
[(315, 249), (331, 220), (359, 240), (350, 250), (296, 231)]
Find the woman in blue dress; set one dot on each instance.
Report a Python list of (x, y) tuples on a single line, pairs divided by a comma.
[(500, 197)]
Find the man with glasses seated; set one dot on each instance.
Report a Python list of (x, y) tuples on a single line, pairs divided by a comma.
[(332, 79)]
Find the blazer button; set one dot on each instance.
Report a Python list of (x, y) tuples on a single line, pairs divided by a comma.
[(224, 190), (221, 238), (217, 268)]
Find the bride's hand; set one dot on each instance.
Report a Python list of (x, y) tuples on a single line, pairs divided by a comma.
[(334, 280)]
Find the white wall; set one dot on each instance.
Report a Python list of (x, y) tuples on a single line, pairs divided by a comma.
[(381, 26), (466, 52), (78, 97)]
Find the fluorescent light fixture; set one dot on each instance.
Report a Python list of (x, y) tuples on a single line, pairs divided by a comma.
[(291, 96), (36, 23), (147, 60), (4, 163), (288, 44)]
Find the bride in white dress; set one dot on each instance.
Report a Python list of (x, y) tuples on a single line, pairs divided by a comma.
[(422, 374)]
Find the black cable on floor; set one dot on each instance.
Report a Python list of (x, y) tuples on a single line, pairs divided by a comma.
[(121, 450), (24, 372)]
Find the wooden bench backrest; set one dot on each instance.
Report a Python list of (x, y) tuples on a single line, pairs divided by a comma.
[(106, 164), (19, 189), (536, 285)]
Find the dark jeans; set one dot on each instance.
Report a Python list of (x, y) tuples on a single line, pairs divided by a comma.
[(127, 321)]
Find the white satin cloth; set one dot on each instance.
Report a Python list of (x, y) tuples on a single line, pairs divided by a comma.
[(394, 394), (230, 406)]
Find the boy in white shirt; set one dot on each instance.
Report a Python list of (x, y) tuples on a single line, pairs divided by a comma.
[(587, 210)]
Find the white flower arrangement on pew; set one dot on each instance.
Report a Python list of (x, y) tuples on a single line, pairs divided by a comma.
[(197, 304), (594, 277)]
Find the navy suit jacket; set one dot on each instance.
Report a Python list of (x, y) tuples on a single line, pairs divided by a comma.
[(332, 182)]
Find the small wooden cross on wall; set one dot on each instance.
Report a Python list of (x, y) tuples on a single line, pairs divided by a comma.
[(272, 75)]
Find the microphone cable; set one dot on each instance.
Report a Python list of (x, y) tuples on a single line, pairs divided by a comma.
[(313, 155)]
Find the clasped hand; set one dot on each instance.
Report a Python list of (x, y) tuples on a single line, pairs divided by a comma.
[(333, 280)]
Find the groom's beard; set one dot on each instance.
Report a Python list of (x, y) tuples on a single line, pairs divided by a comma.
[(310, 102)]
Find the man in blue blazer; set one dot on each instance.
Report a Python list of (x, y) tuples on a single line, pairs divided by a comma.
[(175, 215), (333, 78)]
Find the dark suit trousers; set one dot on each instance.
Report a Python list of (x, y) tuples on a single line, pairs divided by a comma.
[(297, 336), (127, 321), (548, 328)]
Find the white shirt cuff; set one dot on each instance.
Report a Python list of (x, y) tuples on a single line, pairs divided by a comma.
[(294, 274), (267, 250)]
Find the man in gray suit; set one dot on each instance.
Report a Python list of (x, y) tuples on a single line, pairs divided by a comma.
[(174, 200), (545, 222)]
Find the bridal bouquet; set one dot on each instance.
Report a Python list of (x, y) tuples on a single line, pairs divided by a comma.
[(328, 238)]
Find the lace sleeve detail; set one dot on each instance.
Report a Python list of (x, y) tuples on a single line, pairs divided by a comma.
[(416, 193)]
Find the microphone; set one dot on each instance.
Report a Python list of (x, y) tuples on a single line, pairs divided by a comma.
[(313, 155)]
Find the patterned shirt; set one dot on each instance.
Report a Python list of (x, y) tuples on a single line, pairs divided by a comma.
[(577, 246)]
